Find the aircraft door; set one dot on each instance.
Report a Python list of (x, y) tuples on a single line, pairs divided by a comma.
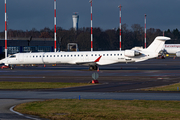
[(21, 57)]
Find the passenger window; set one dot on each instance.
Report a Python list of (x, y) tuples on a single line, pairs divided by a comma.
[(67, 55), (57, 55), (47, 55), (50, 55), (54, 55), (64, 55)]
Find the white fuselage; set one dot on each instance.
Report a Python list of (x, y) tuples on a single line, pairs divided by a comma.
[(172, 48), (107, 57), (91, 58)]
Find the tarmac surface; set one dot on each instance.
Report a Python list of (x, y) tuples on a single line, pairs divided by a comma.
[(118, 81), (112, 78)]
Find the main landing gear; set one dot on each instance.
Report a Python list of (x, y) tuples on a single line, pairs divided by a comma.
[(91, 67)]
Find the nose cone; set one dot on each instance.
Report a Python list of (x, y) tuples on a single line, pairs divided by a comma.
[(2, 61)]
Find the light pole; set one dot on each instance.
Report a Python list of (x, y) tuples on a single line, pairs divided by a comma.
[(54, 25), (145, 31), (91, 28), (120, 27), (5, 31)]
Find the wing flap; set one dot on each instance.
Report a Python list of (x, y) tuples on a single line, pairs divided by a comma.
[(89, 62)]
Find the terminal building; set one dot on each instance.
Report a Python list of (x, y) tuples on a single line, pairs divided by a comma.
[(23, 45)]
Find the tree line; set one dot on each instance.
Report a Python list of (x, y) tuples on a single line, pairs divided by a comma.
[(102, 39)]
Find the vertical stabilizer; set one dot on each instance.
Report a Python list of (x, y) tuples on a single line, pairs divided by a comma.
[(157, 44)]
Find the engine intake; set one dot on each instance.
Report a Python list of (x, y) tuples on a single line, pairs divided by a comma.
[(178, 54)]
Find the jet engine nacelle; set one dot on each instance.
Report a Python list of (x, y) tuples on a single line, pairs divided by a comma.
[(131, 53), (178, 54)]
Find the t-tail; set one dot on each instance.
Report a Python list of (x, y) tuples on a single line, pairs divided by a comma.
[(157, 44)]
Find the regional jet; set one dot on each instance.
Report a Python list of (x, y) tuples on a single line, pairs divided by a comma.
[(89, 58)]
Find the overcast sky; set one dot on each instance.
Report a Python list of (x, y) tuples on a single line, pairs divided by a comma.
[(28, 14)]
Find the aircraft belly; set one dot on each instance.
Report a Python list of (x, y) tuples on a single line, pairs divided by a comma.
[(106, 62)]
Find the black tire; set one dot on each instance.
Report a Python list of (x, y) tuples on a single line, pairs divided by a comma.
[(95, 67), (91, 67)]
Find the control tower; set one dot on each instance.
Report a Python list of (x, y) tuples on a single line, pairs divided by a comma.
[(75, 18)]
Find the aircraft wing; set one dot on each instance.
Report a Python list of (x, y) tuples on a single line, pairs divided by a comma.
[(89, 62)]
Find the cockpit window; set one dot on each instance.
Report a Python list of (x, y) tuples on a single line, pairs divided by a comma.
[(13, 56)]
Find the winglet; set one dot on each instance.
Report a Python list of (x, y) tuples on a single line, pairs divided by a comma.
[(97, 60)]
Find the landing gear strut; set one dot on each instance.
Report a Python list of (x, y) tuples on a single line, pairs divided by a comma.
[(12, 67)]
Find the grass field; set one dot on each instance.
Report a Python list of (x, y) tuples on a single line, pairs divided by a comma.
[(68, 109), (73, 109), (172, 87), (38, 85)]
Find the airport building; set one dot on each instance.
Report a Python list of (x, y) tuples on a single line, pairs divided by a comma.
[(75, 18), (23, 45)]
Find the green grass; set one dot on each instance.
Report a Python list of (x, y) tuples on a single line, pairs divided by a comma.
[(73, 109), (38, 85), (172, 87)]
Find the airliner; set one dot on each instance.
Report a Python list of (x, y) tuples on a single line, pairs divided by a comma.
[(89, 58), (172, 49)]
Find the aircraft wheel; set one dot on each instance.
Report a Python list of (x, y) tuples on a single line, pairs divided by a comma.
[(12, 67), (95, 67), (91, 67)]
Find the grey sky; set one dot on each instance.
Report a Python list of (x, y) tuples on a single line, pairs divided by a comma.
[(28, 14)]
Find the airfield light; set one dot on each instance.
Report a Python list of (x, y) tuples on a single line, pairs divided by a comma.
[(120, 27), (91, 28)]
